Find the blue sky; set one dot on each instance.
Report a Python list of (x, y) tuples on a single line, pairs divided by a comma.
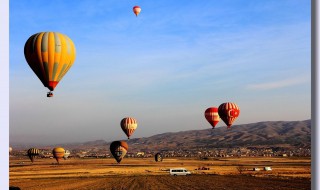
[(164, 67)]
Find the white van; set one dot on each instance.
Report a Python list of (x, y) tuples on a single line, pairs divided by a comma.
[(267, 169), (179, 171)]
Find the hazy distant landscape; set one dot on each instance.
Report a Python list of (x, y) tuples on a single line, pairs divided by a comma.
[(262, 134)]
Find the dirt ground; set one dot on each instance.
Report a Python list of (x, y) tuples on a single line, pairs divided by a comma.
[(132, 174), (156, 182)]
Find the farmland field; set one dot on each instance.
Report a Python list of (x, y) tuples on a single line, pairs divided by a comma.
[(145, 173)]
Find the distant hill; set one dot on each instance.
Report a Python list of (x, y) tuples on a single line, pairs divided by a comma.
[(261, 134), (271, 133)]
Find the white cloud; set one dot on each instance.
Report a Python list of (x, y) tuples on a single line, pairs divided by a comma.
[(280, 84)]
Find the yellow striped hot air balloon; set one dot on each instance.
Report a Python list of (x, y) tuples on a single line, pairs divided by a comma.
[(32, 153), (50, 55), (128, 125), (58, 153)]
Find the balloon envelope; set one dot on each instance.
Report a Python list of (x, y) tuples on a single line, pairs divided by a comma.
[(229, 112), (158, 157), (118, 150), (58, 153), (136, 10), (50, 55), (128, 125), (212, 116), (32, 153), (66, 154)]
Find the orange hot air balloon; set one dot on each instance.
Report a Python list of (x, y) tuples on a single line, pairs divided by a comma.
[(58, 153), (136, 10), (118, 150), (128, 125), (212, 116), (228, 112), (50, 55)]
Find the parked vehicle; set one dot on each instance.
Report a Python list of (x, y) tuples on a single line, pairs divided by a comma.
[(267, 168), (179, 171), (256, 169)]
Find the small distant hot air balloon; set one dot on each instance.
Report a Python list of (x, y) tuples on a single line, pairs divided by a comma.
[(136, 10), (212, 116), (158, 157), (32, 153), (50, 55), (10, 149), (58, 153), (66, 154), (118, 150), (128, 125), (228, 112)]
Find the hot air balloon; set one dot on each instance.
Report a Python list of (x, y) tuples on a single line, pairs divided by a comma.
[(50, 55), (32, 153), (118, 150), (212, 116), (158, 157), (10, 149), (136, 10), (66, 154), (128, 125), (228, 112), (58, 153)]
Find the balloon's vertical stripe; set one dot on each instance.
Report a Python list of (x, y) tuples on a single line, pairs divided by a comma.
[(57, 55), (61, 72), (44, 42), (57, 42), (38, 60), (51, 53), (46, 70), (54, 71), (62, 60), (33, 45), (44, 54)]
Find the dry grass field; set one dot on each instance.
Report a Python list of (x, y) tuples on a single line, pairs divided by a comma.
[(145, 173)]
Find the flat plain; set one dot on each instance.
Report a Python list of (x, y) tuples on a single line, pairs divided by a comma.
[(145, 173)]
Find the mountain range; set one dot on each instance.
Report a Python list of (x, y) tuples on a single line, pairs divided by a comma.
[(261, 134)]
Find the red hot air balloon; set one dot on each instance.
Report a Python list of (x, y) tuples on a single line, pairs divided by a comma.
[(136, 10), (212, 116), (128, 125), (228, 112)]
